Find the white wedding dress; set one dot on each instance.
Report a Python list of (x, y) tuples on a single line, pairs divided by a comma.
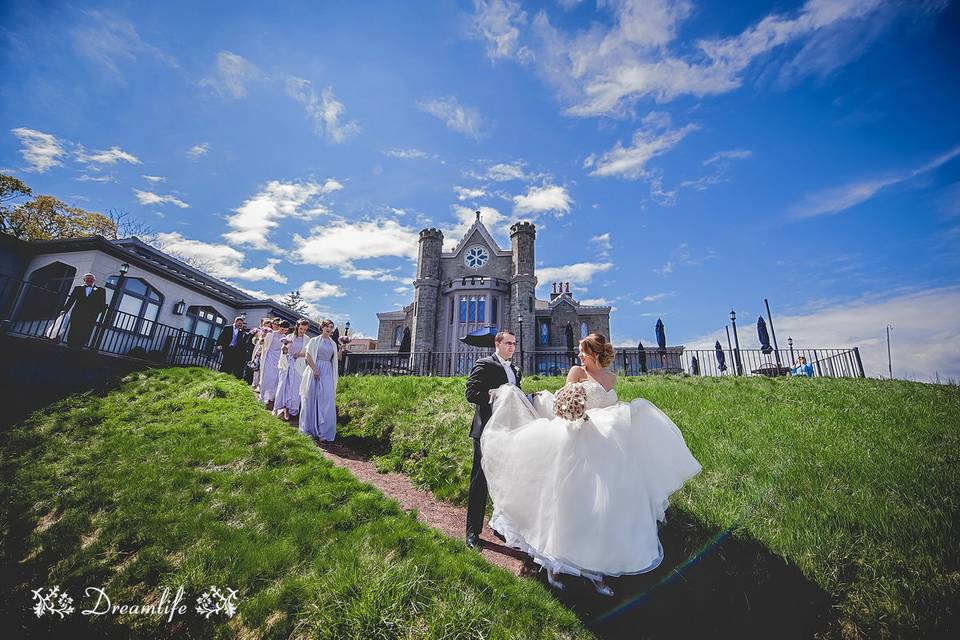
[(583, 497)]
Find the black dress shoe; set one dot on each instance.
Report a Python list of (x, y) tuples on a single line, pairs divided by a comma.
[(473, 541)]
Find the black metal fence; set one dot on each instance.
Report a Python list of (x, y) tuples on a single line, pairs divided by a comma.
[(824, 363), (36, 315)]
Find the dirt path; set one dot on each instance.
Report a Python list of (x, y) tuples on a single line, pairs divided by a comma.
[(444, 517)]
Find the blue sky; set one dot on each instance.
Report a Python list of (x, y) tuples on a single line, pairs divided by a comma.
[(679, 158)]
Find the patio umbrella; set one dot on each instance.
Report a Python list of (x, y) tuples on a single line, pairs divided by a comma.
[(721, 359), (481, 338), (335, 336), (642, 356), (571, 344), (765, 347), (694, 366), (661, 336)]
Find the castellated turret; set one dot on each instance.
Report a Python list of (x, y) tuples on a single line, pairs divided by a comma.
[(523, 285), (426, 291)]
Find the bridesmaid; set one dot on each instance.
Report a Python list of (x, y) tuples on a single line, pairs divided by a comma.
[(270, 361), (318, 387), (259, 334), (292, 365)]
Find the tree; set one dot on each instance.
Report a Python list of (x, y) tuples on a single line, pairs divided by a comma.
[(10, 189), (127, 227), (295, 301), (47, 218)]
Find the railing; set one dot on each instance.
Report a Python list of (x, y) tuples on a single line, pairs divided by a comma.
[(122, 334), (826, 363)]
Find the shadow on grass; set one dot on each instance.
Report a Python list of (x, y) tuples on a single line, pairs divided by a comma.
[(710, 584)]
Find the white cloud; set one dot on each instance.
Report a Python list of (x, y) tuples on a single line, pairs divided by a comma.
[(602, 242), (546, 199), (88, 178), (380, 275), (579, 273), (630, 162), (596, 302), (402, 290), (406, 154), (925, 339), (234, 74), (40, 150), (314, 290), (259, 215), (654, 297), (506, 171), (110, 41), (665, 270), (455, 116), (109, 156), (839, 199), (198, 150), (605, 70), (465, 193), (730, 154), (340, 243), (148, 197), (154, 179), (498, 23), (219, 260), (324, 110)]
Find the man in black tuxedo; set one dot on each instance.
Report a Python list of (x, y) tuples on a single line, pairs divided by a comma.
[(487, 374), (87, 301), (233, 342)]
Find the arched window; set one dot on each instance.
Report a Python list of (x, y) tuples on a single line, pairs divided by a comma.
[(543, 333), (138, 307), (397, 336), (206, 323), (48, 289), (584, 330)]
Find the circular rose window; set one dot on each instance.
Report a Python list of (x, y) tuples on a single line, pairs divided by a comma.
[(475, 257)]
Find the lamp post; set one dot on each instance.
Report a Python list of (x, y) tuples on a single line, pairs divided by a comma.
[(730, 348), (790, 342), (736, 342), (889, 358), (111, 313), (520, 319)]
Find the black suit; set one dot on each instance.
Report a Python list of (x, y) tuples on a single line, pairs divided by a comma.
[(487, 374), (86, 308), (235, 357)]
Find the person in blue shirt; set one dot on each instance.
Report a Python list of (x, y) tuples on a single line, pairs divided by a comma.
[(802, 368)]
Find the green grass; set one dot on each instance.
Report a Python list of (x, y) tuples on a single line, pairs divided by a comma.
[(856, 482), (180, 478)]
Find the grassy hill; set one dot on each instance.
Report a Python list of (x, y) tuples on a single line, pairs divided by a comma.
[(855, 482), (180, 478)]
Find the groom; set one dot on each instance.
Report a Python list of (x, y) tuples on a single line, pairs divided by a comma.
[(487, 374)]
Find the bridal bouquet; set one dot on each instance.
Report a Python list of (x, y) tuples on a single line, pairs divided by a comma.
[(570, 403)]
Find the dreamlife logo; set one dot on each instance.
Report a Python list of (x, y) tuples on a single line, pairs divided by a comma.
[(214, 601)]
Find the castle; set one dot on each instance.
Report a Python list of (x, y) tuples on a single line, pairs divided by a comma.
[(479, 285)]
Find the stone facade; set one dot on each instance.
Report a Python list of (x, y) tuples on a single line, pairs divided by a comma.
[(479, 285)]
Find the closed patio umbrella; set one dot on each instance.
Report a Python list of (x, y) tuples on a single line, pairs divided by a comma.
[(642, 356), (661, 336), (721, 358), (694, 366), (481, 338), (765, 347)]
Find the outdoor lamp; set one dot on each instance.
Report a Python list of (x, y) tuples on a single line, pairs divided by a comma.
[(346, 328), (733, 316), (244, 315), (124, 268), (790, 342), (179, 308)]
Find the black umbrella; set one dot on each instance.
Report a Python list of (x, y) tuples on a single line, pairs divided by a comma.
[(642, 355), (765, 347), (405, 342), (481, 338), (694, 366), (571, 344), (661, 336), (721, 359)]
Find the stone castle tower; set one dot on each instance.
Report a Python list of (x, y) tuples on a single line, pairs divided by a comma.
[(523, 285), (426, 291)]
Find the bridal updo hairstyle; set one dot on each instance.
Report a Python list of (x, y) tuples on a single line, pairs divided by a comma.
[(598, 346)]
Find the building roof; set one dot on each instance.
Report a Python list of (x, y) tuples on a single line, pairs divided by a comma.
[(476, 227), (151, 259)]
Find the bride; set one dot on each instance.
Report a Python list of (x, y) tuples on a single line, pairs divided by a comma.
[(582, 495)]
